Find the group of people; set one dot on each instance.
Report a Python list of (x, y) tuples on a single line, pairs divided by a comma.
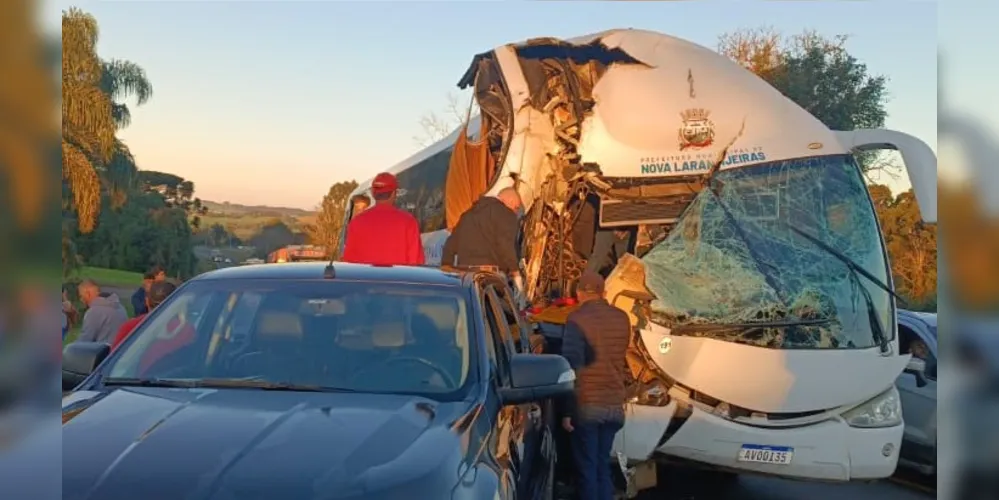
[(486, 234), (596, 334), (106, 319)]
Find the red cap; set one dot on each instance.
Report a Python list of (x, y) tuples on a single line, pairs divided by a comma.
[(384, 183)]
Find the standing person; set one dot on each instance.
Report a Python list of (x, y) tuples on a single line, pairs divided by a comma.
[(158, 292), (608, 247), (155, 274), (595, 344), (384, 234), (359, 203), (104, 315), (487, 235), (69, 313)]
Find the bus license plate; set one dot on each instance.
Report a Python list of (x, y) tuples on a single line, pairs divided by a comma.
[(777, 455)]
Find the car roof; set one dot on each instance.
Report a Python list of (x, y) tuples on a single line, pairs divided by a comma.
[(928, 318), (344, 271)]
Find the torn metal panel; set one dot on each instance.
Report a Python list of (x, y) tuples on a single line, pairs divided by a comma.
[(547, 85)]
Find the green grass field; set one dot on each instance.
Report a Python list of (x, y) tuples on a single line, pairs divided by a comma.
[(111, 277)]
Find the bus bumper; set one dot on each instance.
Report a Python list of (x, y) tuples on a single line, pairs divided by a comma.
[(825, 451)]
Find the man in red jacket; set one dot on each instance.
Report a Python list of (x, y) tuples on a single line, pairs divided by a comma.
[(384, 234), (157, 293)]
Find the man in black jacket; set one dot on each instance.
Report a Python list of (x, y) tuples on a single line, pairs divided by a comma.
[(487, 235), (154, 275), (595, 343)]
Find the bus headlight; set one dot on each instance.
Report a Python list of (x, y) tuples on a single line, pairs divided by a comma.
[(882, 410)]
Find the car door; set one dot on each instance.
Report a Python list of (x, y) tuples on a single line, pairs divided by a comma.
[(507, 434), (520, 419), (537, 445), (919, 404)]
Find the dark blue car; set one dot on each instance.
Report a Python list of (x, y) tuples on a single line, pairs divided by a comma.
[(307, 381)]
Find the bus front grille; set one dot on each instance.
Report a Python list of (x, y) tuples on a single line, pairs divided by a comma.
[(630, 213)]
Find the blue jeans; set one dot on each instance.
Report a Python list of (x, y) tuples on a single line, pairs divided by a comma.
[(592, 440)]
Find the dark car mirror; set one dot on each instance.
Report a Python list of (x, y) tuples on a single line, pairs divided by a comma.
[(536, 377), (917, 368), (79, 360)]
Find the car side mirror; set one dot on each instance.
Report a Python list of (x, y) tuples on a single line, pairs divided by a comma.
[(79, 360), (917, 368), (536, 377)]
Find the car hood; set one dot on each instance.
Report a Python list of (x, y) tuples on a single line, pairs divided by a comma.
[(215, 444)]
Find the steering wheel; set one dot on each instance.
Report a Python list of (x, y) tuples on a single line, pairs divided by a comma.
[(448, 380)]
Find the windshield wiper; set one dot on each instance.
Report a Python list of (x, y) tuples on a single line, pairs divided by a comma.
[(716, 327), (148, 382), (857, 270), (220, 383), (850, 263)]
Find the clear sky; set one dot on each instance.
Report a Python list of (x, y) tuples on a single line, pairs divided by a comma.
[(272, 102)]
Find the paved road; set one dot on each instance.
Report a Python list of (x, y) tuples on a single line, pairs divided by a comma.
[(684, 487)]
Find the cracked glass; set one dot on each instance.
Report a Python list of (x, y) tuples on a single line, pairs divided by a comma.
[(735, 258)]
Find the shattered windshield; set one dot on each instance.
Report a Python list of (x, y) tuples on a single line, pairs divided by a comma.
[(737, 257)]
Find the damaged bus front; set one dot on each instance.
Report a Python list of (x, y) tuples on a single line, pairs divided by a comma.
[(761, 292)]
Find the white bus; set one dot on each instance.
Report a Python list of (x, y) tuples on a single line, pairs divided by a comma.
[(769, 345)]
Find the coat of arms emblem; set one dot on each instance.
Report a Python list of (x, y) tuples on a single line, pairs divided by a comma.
[(697, 130)]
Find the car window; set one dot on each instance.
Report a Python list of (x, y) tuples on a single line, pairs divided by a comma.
[(244, 311), (910, 342), (521, 343), (499, 332), (509, 331), (350, 335)]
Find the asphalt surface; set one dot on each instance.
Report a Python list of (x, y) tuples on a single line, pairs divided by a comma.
[(685, 485)]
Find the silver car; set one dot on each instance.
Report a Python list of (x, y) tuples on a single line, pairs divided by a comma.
[(917, 387)]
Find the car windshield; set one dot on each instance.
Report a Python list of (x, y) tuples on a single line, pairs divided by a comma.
[(750, 249), (336, 335)]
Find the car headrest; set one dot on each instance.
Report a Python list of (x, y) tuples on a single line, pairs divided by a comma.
[(389, 334), (443, 314), (279, 324), (354, 341)]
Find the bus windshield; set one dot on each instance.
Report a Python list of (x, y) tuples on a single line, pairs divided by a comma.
[(750, 250)]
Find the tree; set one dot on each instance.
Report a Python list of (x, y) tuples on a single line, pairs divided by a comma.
[(218, 235), (94, 160), (911, 243), (818, 74), (435, 126), (176, 191), (330, 221), (121, 80), (88, 127), (273, 235), (142, 232)]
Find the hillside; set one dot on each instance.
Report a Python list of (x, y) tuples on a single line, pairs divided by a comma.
[(245, 220)]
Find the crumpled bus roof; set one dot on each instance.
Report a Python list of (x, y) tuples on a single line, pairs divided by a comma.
[(655, 85)]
